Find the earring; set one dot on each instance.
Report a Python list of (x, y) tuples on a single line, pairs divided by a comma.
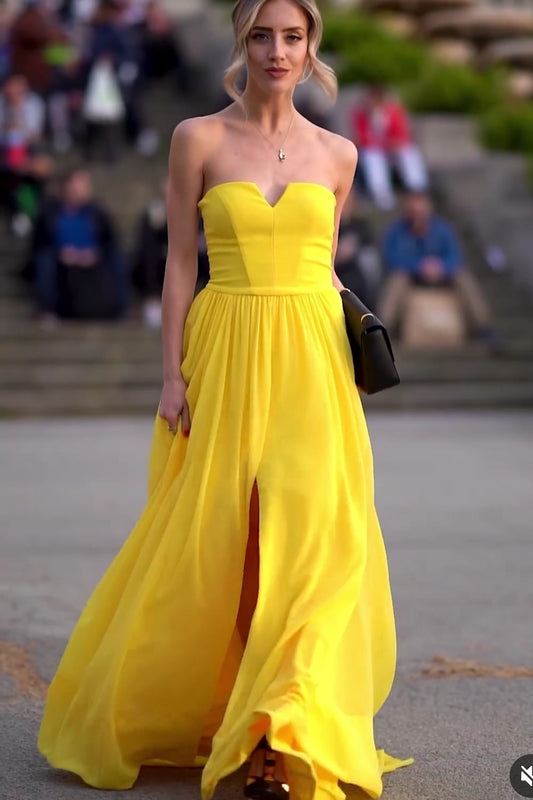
[(305, 77)]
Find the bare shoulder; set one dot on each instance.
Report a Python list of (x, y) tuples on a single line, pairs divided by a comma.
[(343, 152), (198, 131)]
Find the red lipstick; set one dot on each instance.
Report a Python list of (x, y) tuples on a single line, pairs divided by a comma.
[(277, 72)]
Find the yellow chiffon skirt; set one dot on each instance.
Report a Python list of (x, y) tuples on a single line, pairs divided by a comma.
[(155, 668)]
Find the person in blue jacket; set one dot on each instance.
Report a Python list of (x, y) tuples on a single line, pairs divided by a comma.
[(77, 265), (422, 248)]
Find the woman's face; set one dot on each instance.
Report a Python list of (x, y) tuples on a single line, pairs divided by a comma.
[(277, 46)]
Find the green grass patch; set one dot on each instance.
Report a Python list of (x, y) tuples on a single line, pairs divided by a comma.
[(508, 128)]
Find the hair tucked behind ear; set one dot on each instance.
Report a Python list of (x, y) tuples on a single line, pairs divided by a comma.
[(243, 18)]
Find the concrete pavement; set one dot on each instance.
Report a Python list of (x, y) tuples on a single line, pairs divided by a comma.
[(454, 494)]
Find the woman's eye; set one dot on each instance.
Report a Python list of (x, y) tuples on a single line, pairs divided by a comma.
[(262, 37)]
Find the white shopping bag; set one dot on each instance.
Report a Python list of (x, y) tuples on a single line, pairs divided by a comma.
[(103, 100)]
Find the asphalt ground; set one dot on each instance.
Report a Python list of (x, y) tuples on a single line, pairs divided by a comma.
[(454, 492)]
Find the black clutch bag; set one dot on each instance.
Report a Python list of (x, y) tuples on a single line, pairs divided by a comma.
[(372, 354)]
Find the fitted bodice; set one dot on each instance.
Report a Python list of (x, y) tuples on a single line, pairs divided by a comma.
[(258, 248)]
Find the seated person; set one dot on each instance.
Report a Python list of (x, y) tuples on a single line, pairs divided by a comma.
[(79, 271), (149, 258), (23, 165), (161, 48), (382, 133), (422, 249), (357, 261)]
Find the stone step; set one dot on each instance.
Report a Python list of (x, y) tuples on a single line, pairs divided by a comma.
[(481, 394), (506, 297), (15, 309), (15, 300), (472, 370), (503, 298), (13, 289), (134, 374), (99, 375), (11, 251), (82, 400), (79, 401), (51, 348), (102, 333), (122, 341)]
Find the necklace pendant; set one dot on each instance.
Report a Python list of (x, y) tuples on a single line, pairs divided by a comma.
[(281, 155)]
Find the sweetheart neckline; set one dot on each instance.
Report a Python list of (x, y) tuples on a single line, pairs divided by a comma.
[(260, 193)]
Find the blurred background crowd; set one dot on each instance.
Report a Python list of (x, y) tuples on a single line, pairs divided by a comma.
[(74, 76), (78, 82)]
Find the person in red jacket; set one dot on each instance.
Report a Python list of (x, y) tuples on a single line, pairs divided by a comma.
[(382, 133)]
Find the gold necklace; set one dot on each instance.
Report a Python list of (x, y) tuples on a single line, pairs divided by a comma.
[(282, 155)]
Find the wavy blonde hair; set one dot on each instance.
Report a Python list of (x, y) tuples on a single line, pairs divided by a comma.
[(243, 17)]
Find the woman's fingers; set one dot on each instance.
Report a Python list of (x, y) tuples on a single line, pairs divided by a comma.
[(173, 406), (185, 419), (172, 422), (170, 418)]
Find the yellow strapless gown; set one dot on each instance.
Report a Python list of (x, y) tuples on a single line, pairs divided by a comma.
[(155, 663)]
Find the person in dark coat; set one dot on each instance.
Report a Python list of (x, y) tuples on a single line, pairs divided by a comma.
[(162, 53), (79, 271), (150, 255), (357, 260)]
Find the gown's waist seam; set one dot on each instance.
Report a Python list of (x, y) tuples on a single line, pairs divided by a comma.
[(273, 291)]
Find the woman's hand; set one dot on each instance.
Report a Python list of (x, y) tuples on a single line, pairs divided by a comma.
[(173, 405)]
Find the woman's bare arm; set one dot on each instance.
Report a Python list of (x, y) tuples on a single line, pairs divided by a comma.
[(185, 189), (347, 162)]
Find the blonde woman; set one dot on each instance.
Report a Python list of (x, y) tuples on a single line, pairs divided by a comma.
[(249, 612)]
